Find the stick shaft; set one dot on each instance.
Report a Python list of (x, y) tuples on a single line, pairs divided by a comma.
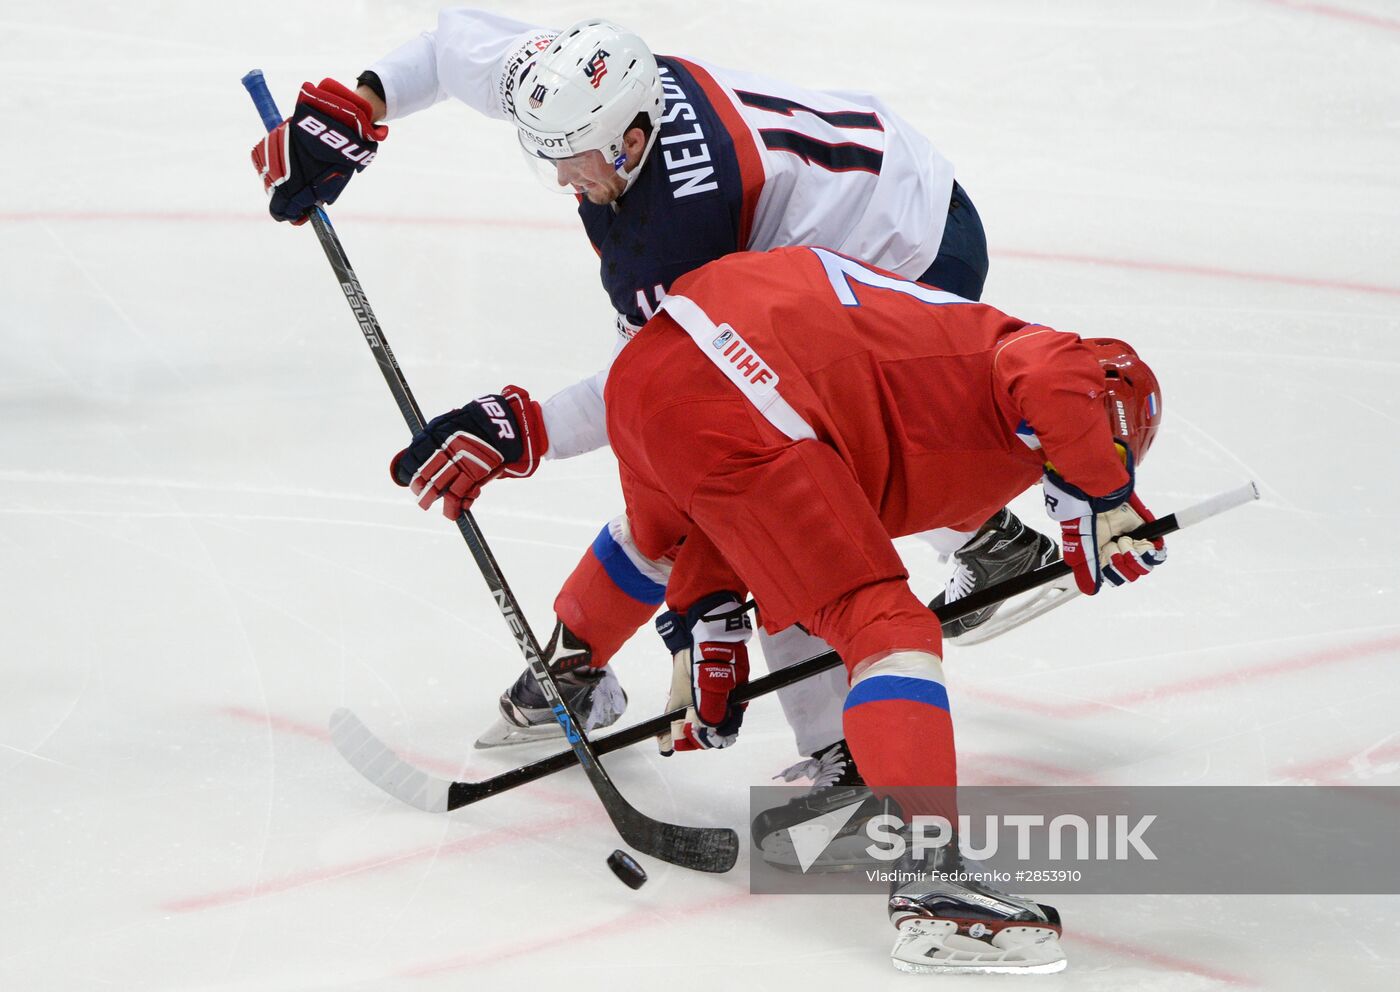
[(705, 849)]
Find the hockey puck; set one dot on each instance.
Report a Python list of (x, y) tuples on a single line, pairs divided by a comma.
[(625, 867)]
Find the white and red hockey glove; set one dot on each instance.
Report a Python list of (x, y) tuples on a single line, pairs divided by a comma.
[(1094, 529), (308, 158), (459, 452), (709, 660)]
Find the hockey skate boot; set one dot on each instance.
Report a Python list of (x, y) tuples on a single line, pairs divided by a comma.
[(593, 695), (1003, 548), (836, 784), (949, 922)]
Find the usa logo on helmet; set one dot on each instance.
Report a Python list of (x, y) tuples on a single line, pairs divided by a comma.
[(537, 96), (597, 67)]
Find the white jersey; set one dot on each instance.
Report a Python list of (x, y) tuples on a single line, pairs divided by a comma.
[(839, 170), (741, 163)]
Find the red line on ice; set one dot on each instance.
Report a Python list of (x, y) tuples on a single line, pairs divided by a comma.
[(1328, 771), (296, 880), (246, 217), (1165, 961), (581, 812), (315, 732), (982, 769), (284, 724), (433, 220), (1214, 272), (1202, 683), (427, 762), (1341, 13)]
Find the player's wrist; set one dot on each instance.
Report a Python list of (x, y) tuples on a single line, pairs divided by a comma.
[(369, 88)]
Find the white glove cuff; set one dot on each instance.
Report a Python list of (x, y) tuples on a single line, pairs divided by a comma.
[(1061, 504), (726, 622)]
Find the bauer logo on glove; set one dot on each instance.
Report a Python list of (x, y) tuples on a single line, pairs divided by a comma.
[(457, 453), (308, 159)]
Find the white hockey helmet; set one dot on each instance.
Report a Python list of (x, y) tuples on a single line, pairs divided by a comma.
[(583, 93)]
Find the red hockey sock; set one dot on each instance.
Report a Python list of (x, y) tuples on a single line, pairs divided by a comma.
[(901, 732), (609, 595)]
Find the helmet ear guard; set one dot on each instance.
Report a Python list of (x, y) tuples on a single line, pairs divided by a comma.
[(1132, 395)]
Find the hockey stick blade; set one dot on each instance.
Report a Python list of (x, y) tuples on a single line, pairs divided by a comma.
[(710, 849), (377, 762), (465, 793)]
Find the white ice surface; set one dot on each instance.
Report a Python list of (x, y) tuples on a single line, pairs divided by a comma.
[(203, 556)]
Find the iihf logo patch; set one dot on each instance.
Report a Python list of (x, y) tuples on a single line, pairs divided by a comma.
[(597, 67), (743, 363), (537, 96)]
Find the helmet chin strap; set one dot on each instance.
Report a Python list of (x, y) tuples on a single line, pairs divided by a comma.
[(629, 176)]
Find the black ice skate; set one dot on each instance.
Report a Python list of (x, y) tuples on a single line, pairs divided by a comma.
[(949, 922), (1003, 548), (594, 696), (836, 783)]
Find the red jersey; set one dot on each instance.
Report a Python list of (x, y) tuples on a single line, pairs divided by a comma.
[(943, 409)]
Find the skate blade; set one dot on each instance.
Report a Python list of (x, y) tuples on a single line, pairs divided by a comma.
[(503, 734), (1014, 613), (934, 969), (935, 947)]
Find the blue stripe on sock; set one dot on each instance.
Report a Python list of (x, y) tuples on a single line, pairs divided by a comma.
[(881, 687), (625, 575)]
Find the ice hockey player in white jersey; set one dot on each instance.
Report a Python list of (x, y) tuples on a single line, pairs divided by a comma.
[(674, 163)]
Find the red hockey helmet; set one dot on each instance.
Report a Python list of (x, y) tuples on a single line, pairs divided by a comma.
[(1133, 397)]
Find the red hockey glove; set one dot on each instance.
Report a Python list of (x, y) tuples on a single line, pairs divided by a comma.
[(308, 158), (709, 660), (462, 450), (1094, 529)]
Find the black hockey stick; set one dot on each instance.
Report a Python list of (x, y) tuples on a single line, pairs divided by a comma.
[(712, 849), (417, 788)]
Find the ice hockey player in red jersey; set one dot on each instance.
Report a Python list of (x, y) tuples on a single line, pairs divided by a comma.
[(785, 415), (674, 163)]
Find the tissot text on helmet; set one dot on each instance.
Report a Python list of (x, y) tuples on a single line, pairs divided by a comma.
[(554, 142)]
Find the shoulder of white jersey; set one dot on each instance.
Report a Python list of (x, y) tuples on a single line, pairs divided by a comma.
[(761, 99), (836, 168), (531, 44)]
